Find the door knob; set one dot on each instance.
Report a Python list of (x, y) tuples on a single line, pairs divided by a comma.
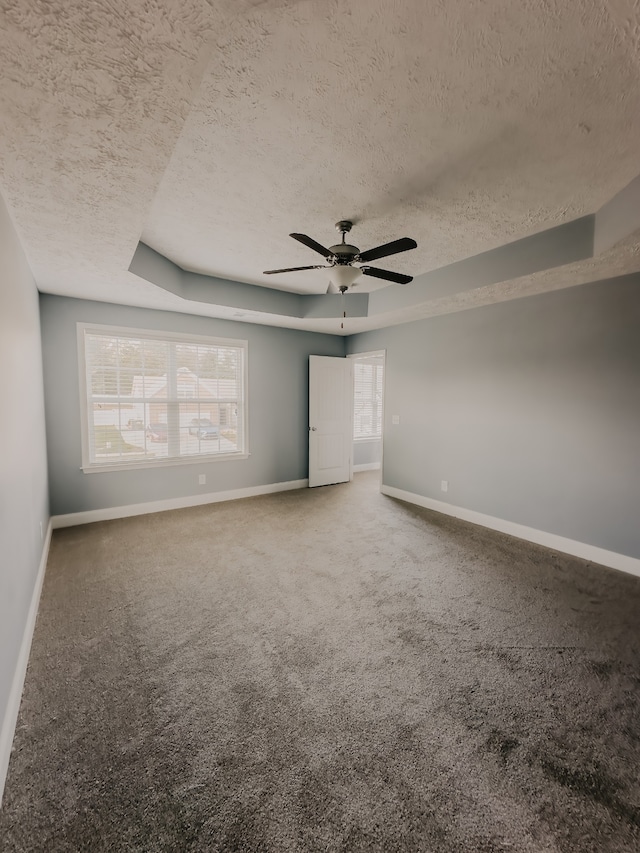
[(313, 429)]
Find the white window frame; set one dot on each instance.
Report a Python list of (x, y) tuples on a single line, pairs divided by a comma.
[(158, 335)]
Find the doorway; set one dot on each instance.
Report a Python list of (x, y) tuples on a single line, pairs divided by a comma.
[(368, 410)]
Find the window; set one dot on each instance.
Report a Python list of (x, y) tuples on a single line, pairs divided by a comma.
[(158, 398), (367, 396)]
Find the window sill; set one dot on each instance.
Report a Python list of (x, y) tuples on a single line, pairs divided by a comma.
[(162, 463)]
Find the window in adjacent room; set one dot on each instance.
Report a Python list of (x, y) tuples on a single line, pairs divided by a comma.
[(368, 386), (159, 398)]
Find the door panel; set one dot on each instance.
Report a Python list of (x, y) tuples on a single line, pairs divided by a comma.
[(330, 413)]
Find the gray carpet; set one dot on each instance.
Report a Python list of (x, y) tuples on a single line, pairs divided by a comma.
[(325, 670)]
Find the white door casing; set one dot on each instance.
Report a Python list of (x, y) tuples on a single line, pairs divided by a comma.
[(330, 420)]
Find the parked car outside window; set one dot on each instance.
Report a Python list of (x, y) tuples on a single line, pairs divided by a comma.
[(203, 428)]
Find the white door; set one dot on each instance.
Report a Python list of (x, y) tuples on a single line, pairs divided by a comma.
[(330, 412)]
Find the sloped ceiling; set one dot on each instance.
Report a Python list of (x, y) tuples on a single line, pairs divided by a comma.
[(206, 132)]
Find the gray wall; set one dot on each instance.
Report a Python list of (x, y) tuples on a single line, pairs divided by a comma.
[(23, 463), (530, 409), (278, 408), (367, 451)]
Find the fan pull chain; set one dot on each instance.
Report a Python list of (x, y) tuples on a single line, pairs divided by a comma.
[(344, 310)]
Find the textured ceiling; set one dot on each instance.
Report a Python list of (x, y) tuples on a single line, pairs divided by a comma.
[(211, 130)]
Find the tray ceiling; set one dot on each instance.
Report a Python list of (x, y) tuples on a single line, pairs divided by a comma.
[(209, 132)]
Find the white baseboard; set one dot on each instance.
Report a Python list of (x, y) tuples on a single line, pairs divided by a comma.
[(108, 513), (366, 466), (612, 559), (8, 729)]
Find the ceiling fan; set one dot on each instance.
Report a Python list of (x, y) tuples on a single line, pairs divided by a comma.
[(342, 257)]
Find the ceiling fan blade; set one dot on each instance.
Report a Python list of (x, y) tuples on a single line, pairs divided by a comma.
[(397, 277), (312, 244), (296, 269), (401, 245)]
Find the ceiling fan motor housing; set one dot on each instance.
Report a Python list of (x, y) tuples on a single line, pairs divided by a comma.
[(344, 253)]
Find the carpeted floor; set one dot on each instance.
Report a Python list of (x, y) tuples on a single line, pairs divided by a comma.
[(325, 670)]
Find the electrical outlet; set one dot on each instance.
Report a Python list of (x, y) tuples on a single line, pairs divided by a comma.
[(202, 479), (444, 485), (395, 419)]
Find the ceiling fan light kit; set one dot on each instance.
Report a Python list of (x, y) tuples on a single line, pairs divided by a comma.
[(342, 258), (345, 276)]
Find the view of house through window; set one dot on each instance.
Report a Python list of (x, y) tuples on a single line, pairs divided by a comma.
[(156, 397), (368, 384)]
